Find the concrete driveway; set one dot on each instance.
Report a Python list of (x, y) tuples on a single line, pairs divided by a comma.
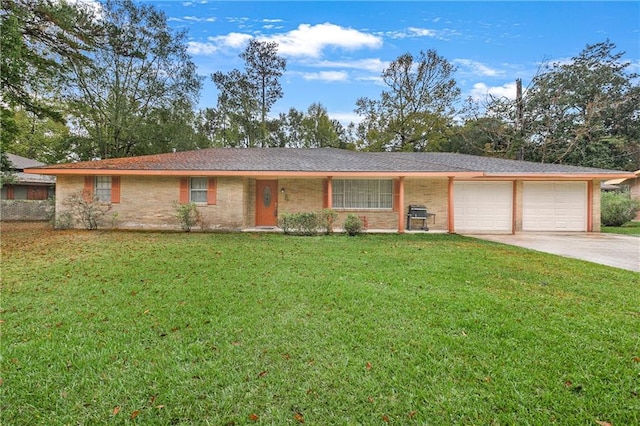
[(619, 251)]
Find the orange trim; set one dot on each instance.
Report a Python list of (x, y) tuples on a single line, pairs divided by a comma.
[(115, 189), (513, 206), (212, 191), (451, 222), (89, 184), (396, 196), (400, 204), (553, 176), (590, 206), (251, 173), (329, 201), (184, 191)]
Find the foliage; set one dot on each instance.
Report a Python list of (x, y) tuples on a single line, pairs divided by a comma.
[(328, 219), (617, 208), (140, 70), (245, 98), (581, 112), (6, 169), (84, 208), (39, 39), (301, 223), (353, 225), (40, 138), (416, 110), (423, 329), (188, 215)]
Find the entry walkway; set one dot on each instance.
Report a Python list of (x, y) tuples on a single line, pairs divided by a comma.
[(619, 251)]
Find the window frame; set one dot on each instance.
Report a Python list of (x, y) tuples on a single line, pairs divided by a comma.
[(204, 190), (103, 188), (362, 194)]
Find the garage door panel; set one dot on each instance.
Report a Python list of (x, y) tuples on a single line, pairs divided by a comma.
[(483, 206), (554, 206)]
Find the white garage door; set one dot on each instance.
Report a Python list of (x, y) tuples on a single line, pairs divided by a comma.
[(483, 206), (554, 206)]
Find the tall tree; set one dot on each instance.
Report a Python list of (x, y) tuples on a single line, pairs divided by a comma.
[(583, 112), (245, 98), (415, 111), (264, 68), (39, 38), (139, 71)]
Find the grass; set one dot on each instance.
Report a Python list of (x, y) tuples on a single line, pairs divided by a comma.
[(221, 329), (629, 228)]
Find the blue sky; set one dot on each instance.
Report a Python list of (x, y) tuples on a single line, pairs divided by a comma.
[(336, 50)]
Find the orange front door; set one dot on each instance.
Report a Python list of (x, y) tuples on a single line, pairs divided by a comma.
[(266, 202)]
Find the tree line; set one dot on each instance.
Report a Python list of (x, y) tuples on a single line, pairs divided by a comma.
[(80, 85)]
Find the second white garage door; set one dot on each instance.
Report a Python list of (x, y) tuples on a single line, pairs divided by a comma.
[(483, 206), (554, 206)]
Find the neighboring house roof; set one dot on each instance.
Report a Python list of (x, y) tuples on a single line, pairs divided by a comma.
[(322, 162), (621, 180), (20, 163)]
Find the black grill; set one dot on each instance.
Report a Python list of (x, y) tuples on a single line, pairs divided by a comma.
[(417, 212)]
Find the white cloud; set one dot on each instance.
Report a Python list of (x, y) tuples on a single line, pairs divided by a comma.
[(477, 68), (305, 41), (91, 6), (372, 65), (326, 76), (481, 91), (197, 48), (233, 40), (311, 40), (198, 19), (345, 117), (412, 32)]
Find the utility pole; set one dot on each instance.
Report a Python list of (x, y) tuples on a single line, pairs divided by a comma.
[(520, 117)]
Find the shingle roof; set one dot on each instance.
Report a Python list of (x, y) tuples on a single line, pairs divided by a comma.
[(329, 160), (19, 163)]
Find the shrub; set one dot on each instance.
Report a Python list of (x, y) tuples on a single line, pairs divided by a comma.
[(300, 223), (616, 209), (327, 219), (188, 215), (353, 225), (84, 208)]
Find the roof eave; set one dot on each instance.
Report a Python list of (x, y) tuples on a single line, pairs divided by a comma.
[(558, 176), (253, 173)]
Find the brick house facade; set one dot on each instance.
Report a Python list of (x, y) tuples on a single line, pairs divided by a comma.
[(227, 185)]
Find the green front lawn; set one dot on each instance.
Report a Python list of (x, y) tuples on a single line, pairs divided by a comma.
[(629, 228), (221, 329)]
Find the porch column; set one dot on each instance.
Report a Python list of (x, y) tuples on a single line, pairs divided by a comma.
[(590, 206), (450, 221), (401, 205)]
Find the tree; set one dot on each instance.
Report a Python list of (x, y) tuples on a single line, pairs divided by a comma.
[(43, 139), (263, 69), (415, 111), (139, 71), (39, 39), (245, 98), (582, 112)]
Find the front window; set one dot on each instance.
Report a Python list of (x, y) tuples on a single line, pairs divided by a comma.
[(198, 190), (103, 189), (362, 194)]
